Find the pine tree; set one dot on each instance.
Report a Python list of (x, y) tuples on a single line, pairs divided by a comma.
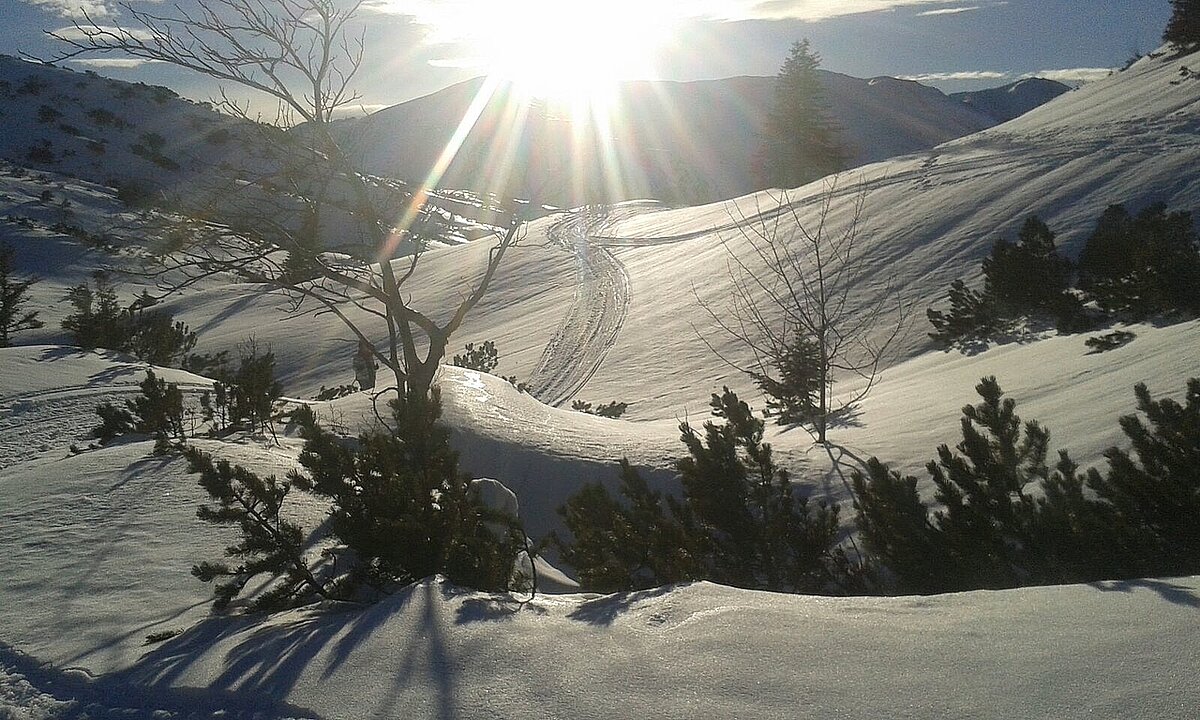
[(633, 545), (12, 297), (1030, 278), (1142, 265), (252, 388), (739, 522), (896, 529), (1155, 493), (971, 318), (98, 321), (269, 543), (401, 506), (800, 143), (1184, 26), (795, 396)]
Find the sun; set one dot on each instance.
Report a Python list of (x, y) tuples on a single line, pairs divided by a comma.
[(567, 50)]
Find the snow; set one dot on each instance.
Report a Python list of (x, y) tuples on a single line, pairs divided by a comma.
[(97, 544)]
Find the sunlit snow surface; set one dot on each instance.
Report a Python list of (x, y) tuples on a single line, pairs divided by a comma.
[(96, 545)]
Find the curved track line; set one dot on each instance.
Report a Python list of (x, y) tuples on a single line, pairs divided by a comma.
[(592, 324)]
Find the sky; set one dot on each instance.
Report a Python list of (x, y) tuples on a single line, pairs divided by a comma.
[(414, 47)]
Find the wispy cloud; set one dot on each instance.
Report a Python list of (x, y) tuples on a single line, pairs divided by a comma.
[(458, 62), (112, 62), (71, 32), (1065, 75), (959, 75), (359, 109), (95, 9), (950, 11)]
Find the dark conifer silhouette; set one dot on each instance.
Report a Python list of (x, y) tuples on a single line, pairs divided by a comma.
[(800, 143), (1184, 26), (12, 297)]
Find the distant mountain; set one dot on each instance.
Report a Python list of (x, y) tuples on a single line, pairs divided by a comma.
[(1012, 100), (675, 141)]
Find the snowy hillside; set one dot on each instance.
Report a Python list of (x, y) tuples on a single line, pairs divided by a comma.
[(157, 147), (99, 617), (113, 132), (675, 141)]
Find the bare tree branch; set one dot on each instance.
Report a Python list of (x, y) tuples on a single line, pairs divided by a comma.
[(792, 305)]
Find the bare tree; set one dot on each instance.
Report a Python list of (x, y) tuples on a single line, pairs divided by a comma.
[(794, 305), (283, 219)]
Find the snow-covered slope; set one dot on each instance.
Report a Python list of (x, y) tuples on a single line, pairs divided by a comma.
[(678, 142)]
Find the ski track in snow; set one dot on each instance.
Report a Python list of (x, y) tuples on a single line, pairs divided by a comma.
[(592, 323)]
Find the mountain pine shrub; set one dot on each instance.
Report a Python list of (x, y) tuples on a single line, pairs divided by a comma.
[(401, 506), (1154, 492), (1025, 279), (98, 321), (157, 411), (400, 511), (483, 359), (269, 543), (1143, 265), (739, 521), (1004, 518)]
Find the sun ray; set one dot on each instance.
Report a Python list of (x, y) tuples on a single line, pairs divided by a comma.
[(478, 104)]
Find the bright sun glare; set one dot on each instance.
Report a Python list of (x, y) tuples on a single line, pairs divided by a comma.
[(568, 50)]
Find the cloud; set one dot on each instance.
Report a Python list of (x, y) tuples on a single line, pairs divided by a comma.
[(94, 9), (950, 11), (71, 32), (112, 62), (359, 109), (458, 62), (959, 75), (1065, 75), (439, 15)]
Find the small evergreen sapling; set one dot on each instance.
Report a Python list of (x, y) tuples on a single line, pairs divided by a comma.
[(795, 396), (630, 545), (1142, 265), (610, 410), (483, 359), (157, 411), (1184, 26), (401, 505)]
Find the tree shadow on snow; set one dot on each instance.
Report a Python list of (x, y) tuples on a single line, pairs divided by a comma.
[(114, 696), (1172, 593), (604, 610), (268, 659), (491, 607)]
